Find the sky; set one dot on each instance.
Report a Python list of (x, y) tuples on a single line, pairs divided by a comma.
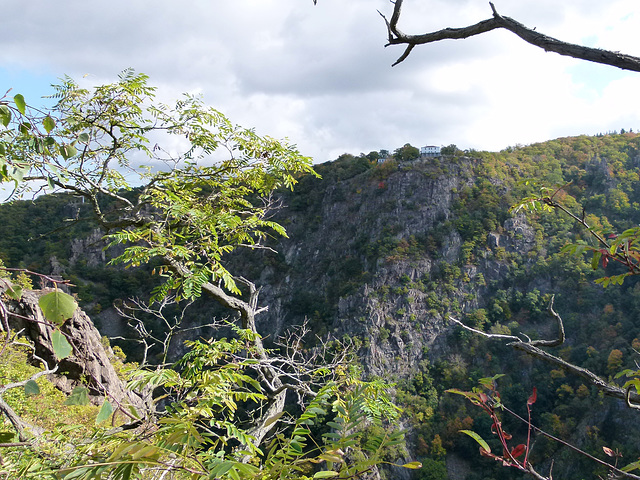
[(322, 77)]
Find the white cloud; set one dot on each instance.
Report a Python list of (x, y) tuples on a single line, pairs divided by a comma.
[(321, 76)]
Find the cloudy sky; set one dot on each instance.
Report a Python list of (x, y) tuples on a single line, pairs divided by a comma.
[(321, 76)]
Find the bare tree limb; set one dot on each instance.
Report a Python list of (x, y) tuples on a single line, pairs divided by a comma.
[(561, 335), (547, 43), (532, 347)]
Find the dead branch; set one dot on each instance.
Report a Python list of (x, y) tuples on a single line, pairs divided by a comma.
[(290, 370), (561, 335), (532, 347), (547, 43)]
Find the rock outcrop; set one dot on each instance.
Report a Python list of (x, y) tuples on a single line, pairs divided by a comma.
[(90, 363)]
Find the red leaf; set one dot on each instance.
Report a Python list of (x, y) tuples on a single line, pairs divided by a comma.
[(608, 451), (507, 436), (534, 396), (519, 450), (483, 397)]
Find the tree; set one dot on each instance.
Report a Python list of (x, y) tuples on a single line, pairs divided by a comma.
[(451, 150), (549, 44), (209, 194), (406, 153)]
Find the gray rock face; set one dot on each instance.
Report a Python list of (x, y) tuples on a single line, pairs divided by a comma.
[(90, 249), (369, 234)]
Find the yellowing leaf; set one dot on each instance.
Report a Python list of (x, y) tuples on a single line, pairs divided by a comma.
[(326, 474), (478, 439)]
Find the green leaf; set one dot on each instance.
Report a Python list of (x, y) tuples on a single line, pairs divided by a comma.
[(31, 388), (326, 474), (478, 439), (631, 466), (17, 173), (489, 381), (5, 115), (614, 248), (412, 465), (61, 347), (14, 292), (48, 123), (79, 396), (105, 412), (57, 306), (20, 103), (68, 151), (83, 138)]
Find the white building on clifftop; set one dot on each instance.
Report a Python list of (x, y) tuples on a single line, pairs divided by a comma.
[(429, 151)]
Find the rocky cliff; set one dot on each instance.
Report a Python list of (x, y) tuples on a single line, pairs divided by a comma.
[(377, 257)]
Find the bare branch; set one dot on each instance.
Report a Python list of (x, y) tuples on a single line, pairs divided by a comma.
[(628, 400), (484, 334), (561, 335), (14, 419), (547, 43), (532, 347)]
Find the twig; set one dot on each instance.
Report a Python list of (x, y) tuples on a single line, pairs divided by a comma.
[(572, 447)]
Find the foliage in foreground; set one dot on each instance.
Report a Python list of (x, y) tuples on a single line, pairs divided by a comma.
[(220, 412), (200, 434)]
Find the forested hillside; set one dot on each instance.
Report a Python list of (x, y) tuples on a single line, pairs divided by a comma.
[(382, 254)]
